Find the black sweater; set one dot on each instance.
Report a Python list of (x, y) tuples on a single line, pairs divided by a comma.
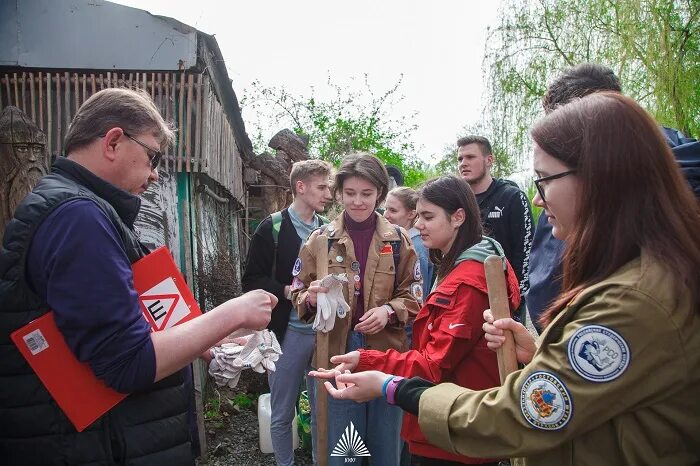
[(506, 216), (258, 271)]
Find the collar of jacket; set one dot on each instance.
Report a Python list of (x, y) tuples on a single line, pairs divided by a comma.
[(126, 205), (385, 231)]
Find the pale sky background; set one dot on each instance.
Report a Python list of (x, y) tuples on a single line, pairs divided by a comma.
[(438, 46)]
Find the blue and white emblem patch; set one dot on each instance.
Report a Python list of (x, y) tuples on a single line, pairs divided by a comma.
[(598, 354), (545, 401), (297, 267), (416, 271)]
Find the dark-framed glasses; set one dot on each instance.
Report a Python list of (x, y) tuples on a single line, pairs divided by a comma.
[(155, 158), (539, 181)]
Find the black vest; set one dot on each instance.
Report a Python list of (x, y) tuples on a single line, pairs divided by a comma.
[(146, 428)]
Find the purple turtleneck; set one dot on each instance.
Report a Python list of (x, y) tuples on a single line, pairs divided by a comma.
[(361, 234)]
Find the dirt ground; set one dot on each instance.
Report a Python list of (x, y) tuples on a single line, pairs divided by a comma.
[(231, 422)]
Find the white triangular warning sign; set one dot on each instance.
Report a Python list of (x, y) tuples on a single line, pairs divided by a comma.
[(163, 305)]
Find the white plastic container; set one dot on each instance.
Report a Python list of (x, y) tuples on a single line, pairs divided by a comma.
[(264, 413)]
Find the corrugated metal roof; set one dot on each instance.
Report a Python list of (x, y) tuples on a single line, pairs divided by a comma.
[(92, 34)]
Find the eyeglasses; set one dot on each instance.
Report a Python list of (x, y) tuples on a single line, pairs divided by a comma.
[(539, 181), (155, 158)]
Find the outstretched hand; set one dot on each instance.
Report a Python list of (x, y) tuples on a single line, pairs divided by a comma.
[(360, 387), (493, 333)]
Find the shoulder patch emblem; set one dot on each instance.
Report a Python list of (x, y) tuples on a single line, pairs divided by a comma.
[(598, 353), (417, 291), (297, 267), (297, 284), (416, 271), (545, 401)]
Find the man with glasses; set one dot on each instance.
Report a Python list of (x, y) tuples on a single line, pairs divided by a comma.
[(69, 249)]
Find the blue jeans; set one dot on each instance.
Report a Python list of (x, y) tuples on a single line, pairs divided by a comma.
[(377, 423), (290, 368)]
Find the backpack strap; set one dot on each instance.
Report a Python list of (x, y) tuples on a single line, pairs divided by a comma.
[(276, 218), (276, 226), (396, 251)]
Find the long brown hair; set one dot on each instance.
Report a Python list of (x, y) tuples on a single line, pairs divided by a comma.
[(451, 193), (634, 197)]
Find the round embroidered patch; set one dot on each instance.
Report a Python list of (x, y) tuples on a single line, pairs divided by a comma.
[(598, 354), (416, 271), (545, 402), (417, 291), (297, 267)]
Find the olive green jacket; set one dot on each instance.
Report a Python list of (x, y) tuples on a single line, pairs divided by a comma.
[(615, 381)]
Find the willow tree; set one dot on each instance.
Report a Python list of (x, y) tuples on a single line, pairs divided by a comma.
[(653, 46)]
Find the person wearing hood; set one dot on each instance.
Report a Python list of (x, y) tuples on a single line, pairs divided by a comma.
[(449, 343), (504, 208)]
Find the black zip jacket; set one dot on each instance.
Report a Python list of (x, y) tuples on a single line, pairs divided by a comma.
[(258, 271), (506, 216)]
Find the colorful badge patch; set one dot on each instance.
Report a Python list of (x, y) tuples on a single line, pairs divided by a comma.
[(297, 284), (417, 291), (297, 267), (545, 402), (416, 271), (386, 250), (598, 354)]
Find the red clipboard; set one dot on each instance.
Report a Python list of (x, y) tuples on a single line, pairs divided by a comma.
[(165, 301)]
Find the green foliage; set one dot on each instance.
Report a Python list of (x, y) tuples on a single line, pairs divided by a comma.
[(653, 46), (347, 121)]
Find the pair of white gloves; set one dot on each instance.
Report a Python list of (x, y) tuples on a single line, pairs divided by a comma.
[(331, 303), (259, 352)]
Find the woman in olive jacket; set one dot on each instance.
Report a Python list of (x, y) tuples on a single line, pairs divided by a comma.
[(614, 377)]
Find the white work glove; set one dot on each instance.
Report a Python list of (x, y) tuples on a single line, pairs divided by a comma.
[(259, 353), (331, 304)]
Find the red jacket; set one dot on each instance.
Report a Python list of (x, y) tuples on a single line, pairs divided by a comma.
[(448, 346)]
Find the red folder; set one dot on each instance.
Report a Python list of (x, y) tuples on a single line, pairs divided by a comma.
[(165, 301)]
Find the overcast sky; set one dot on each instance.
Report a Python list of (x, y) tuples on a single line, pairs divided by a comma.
[(438, 46)]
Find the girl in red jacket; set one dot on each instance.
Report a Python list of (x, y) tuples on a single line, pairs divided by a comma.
[(448, 342)]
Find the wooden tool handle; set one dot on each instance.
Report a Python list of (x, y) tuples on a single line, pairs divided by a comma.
[(321, 361), (498, 300)]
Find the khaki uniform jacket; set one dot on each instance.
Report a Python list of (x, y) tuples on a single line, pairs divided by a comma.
[(378, 283), (615, 381)]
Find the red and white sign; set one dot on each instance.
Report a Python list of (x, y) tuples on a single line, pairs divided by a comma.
[(164, 297)]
